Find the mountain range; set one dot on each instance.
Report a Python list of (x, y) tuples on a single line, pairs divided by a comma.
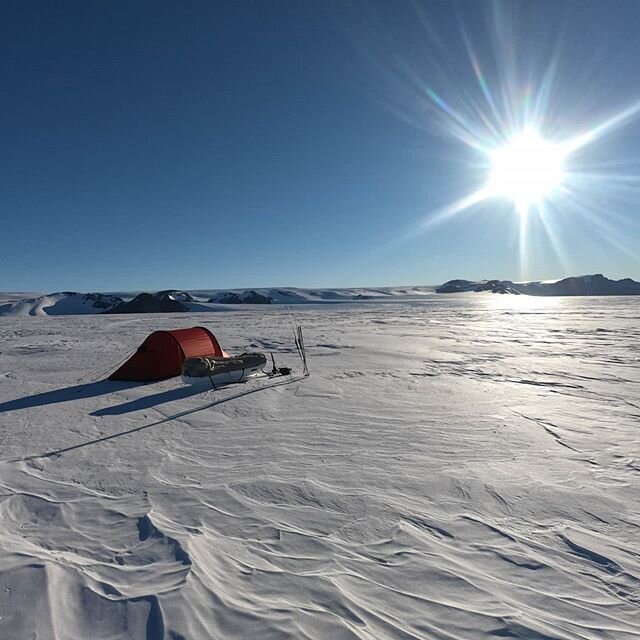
[(180, 301), (593, 285)]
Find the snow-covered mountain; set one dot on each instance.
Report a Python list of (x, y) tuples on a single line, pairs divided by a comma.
[(295, 295), (175, 294), (176, 300), (464, 286), (64, 303), (591, 285), (150, 303), (244, 297)]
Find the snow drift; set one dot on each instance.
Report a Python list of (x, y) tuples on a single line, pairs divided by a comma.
[(455, 467)]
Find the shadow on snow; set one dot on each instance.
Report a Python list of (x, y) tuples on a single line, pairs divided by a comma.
[(77, 392), (119, 408), (148, 402)]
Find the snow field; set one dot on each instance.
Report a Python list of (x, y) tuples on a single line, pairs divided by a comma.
[(453, 468)]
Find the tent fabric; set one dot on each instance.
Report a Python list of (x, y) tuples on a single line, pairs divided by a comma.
[(161, 355)]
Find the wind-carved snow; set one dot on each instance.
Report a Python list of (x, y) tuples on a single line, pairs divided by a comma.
[(462, 467)]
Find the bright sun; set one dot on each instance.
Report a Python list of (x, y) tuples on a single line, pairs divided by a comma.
[(526, 169)]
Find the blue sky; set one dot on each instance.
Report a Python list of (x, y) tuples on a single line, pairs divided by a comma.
[(203, 144)]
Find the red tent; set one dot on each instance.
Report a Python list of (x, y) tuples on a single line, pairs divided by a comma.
[(161, 355)]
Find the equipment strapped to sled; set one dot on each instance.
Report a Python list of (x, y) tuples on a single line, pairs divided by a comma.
[(220, 371)]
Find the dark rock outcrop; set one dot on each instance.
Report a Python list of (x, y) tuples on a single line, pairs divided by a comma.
[(246, 297), (458, 286), (594, 285), (101, 300), (149, 303), (176, 294)]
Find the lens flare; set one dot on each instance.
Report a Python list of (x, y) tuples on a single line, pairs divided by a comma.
[(522, 135)]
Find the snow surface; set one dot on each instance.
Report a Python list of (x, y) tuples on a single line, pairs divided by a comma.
[(455, 467)]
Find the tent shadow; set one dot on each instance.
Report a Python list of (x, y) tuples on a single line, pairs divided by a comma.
[(58, 452), (148, 402), (76, 392)]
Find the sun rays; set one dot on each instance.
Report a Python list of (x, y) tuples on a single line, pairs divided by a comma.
[(536, 174), (534, 154)]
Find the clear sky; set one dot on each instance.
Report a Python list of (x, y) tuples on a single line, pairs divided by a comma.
[(205, 144)]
